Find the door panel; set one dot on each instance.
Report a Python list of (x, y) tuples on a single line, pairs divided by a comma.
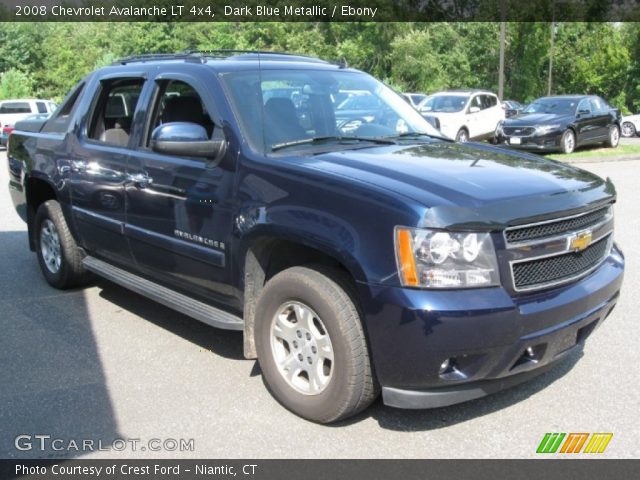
[(179, 219), (97, 172)]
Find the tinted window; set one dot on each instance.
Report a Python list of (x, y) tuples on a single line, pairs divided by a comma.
[(444, 103), (59, 123), (42, 107), (113, 113), (477, 102), (552, 105), (489, 101), (15, 107)]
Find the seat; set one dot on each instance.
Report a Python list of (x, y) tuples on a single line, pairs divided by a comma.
[(115, 136), (183, 109), (281, 122)]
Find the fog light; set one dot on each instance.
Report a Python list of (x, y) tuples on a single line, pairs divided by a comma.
[(445, 366)]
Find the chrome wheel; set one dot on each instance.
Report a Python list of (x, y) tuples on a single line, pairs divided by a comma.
[(50, 246), (301, 348), (628, 130), (614, 136), (569, 142)]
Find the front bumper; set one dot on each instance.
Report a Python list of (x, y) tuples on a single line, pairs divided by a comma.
[(547, 142), (485, 332)]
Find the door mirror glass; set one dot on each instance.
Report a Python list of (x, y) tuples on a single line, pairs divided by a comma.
[(186, 139), (474, 109)]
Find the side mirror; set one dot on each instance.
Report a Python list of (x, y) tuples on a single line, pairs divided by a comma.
[(584, 112), (186, 139), (474, 109)]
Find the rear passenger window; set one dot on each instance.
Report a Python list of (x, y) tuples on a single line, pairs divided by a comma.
[(489, 101), (113, 112), (15, 107), (178, 101), (42, 107), (59, 123)]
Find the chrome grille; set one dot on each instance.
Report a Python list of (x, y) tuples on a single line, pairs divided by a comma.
[(518, 131), (556, 227), (541, 272)]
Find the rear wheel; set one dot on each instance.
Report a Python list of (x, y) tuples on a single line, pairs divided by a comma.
[(568, 141), (311, 345), (614, 136), (59, 257), (628, 129)]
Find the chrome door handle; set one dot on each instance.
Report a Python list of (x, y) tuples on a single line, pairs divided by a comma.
[(140, 180)]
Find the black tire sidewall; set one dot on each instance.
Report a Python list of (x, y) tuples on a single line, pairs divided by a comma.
[(563, 143), (51, 210), (461, 132), (324, 406), (633, 129)]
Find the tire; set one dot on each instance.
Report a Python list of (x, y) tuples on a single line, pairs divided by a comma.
[(613, 140), (59, 257), (628, 129), (315, 297), (568, 141), (462, 136)]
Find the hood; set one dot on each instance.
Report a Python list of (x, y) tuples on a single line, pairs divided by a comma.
[(470, 185), (529, 119)]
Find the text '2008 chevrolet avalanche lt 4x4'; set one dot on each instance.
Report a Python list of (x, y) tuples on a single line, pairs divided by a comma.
[(357, 255)]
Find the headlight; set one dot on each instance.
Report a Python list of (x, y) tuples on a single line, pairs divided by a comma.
[(544, 129), (436, 259)]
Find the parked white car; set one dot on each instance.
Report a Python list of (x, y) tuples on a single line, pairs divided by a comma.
[(464, 114), (630, 125), (12, 111)]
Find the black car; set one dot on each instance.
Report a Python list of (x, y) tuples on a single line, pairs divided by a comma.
[(562, 123)]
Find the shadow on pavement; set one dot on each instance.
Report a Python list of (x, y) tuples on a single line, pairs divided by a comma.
[(51, 377)]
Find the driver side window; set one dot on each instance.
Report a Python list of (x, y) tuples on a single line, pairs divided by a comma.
[(177, 101)]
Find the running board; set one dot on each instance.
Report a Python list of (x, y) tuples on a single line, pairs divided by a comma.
[(167, 297)]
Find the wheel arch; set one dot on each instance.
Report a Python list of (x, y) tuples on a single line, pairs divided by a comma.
[(268, 254), (37, 191)]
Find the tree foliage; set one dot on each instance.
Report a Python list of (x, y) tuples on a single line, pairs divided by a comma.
[(601, 58)]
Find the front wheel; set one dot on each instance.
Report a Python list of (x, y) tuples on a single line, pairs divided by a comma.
[(614, 137), (462, 136), (628, 129), (568, 141), (311, 345)]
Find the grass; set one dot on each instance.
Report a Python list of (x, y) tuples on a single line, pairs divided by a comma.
[(627, 150)]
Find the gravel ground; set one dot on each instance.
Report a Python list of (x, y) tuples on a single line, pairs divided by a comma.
[(102, 363)]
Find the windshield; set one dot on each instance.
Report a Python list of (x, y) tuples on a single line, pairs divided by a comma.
[(287, 108), (552, 105), (444, 103)]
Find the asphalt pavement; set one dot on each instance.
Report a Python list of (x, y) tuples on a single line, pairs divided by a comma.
[(105, 365)]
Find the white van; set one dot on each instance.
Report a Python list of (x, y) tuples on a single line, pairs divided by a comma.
[(12, 111), (464, 114)]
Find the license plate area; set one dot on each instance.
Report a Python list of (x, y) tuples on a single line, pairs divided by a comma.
[(515, 140)]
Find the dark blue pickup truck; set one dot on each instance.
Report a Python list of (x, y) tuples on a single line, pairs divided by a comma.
[(356, 255)]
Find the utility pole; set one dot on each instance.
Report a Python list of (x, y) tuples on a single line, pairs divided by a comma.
[(553, 34), (501, 72), (503, 26)]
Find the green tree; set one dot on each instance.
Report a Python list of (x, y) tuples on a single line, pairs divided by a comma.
[(15, 84)]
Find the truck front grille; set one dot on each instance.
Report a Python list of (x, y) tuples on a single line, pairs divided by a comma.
[(556, 227), (542, 272)]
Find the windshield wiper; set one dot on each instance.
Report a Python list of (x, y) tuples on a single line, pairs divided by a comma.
[(335, 138), (419, 134)]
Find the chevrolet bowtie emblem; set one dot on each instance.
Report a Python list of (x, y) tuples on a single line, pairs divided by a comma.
[(580, 241)]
